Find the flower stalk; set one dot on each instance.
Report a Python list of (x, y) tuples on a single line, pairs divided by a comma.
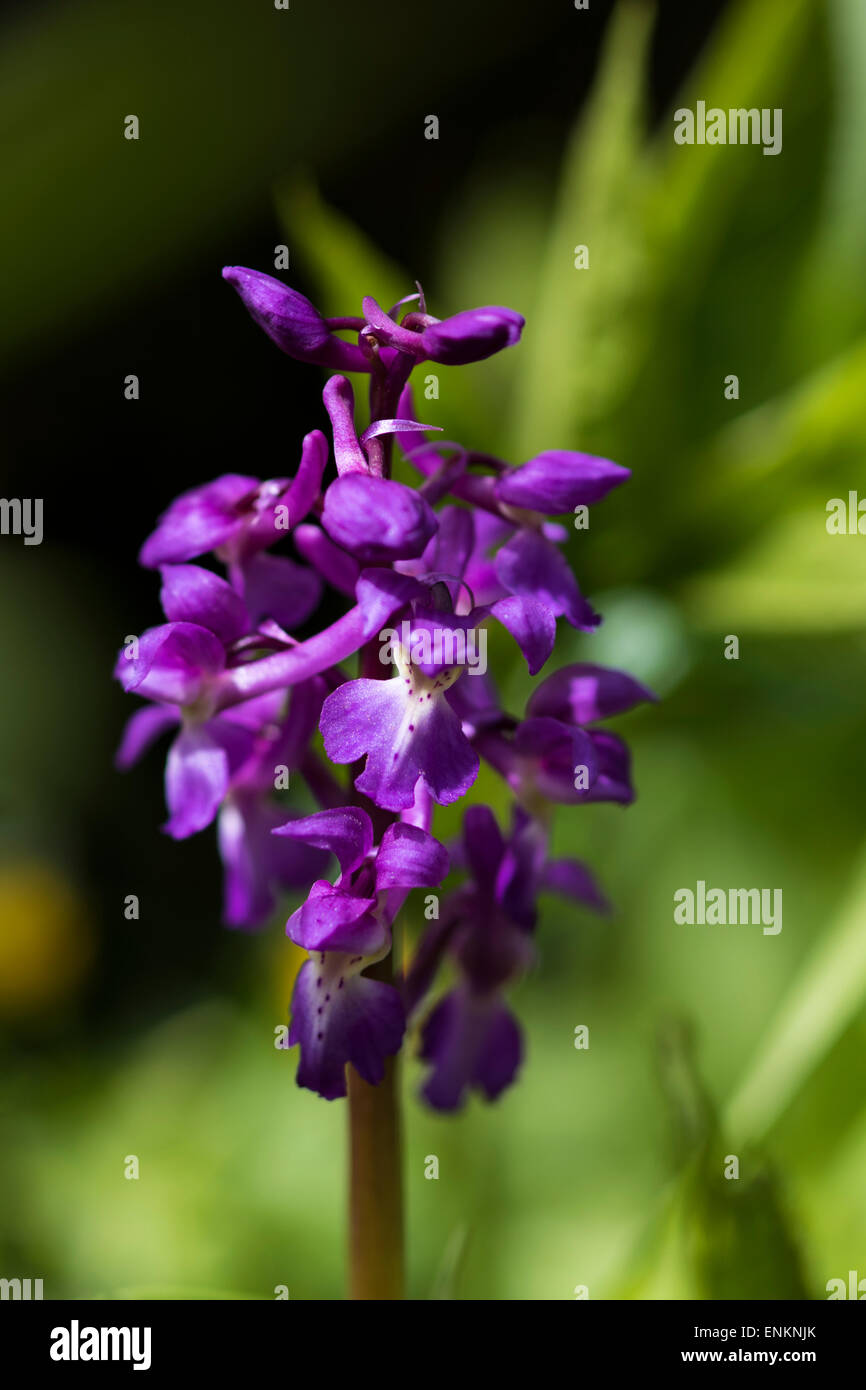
[(376, 1221)]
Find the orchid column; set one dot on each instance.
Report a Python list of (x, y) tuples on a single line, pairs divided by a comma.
[(419, 571)]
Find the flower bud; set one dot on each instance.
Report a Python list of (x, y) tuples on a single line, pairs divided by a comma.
[(292, 322)]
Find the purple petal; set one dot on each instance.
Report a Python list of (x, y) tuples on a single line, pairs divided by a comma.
[(237, 740), (558, 750), (377, 519), (380, 592), (255, 865), (442, 641), (267, 519), (519, 878), (252, 714), (173, 664), (198, 521), (451, 547), (143, 729), (472, 335), (333, 919), (572, 879), (483, 846), (196, 780), (476, 703), (191, 594), (559, 480), (584, 693), (451, 477), (613, 782), (346, 832), (248, 896), (409, 857), (529, 564), (339, 401), (471, 1042), (531, 624), (304, 487), (428, 954), (339, 1019), (275, 587), (336, 567), (480, 573), (302, 720), (405, 736)]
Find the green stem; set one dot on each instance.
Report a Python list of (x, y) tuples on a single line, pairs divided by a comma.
[(375, 1181), (375, 1144)]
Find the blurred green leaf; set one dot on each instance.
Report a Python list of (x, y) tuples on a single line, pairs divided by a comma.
[(829, 991), (715, 1236), (582, 326), (786, 439), (824, 312), (335, 255), (725, 231), (696, 187), (795, 578), (453, 1258), (503, 210), (175, 1292), (739, 1233)]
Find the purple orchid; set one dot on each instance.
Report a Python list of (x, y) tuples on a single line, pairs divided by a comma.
[(517, 503), (466, 337), (338, 1015), (558, 753), (256, 866), (413, 576), (176, 666), (470, 1039)]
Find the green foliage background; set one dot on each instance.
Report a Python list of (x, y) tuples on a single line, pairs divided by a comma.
[(602, 1167)]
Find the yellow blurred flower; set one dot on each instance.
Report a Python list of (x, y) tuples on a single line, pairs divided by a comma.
[(288, 959), (45, 942)]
